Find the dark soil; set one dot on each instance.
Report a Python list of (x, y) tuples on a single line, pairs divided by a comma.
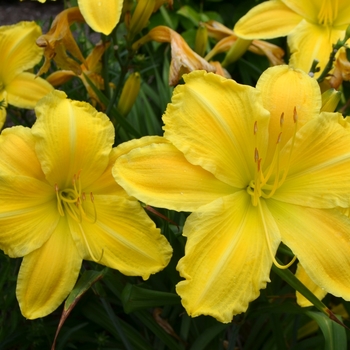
[(13, 11)]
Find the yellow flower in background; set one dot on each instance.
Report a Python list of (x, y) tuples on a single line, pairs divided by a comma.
[(101, 15), (59, 205), (255, 166), (183, 58), (19, 53), (311, 26)]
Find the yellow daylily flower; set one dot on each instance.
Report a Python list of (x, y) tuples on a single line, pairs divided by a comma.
[(19, 53), (311, 26), (59, 205), (183, 58), (102, 15), (255, 166)]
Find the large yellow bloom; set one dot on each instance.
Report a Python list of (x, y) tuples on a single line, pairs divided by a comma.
[(19, 53), (59, 205), (101, 15), (312, 27), (256, 166)]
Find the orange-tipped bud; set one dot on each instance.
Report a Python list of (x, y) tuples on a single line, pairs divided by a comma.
[(129, 93)]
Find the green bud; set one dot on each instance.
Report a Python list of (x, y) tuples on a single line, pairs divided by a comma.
[(330, 100)]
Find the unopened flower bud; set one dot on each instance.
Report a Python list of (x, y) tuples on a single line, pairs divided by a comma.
[(237, 50), (129, 94), (201, 40), (330, 100), (140, 17)]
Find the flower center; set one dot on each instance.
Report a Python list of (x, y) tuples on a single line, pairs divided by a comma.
[(266, 183), (328, 12), (72, 200)]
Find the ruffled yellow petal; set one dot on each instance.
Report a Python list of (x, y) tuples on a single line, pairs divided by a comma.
[(123, 237), (18, 49), (303, 94), (268, 20), (314, 288), (48, 274), (158, 174), (312, 42), (72, 138), (18, 155), (211, 120), (320, 240), (319, 174), (102, 15), (226, 260), (25, 90), (28, 214)]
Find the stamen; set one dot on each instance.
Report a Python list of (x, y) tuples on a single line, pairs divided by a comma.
[(88, 247), (59, 204), (255, 127), (275, 262), (328, 12), (281, 120)]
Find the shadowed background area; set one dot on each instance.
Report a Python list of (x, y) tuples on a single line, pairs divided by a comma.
[(13, 11)]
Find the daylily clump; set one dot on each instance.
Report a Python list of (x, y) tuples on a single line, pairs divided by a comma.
[(311, 26), (59, 205), (19, 54), (256, 167)]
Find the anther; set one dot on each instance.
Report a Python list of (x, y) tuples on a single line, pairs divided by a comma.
[(282, 120), (256, 155), (279, 138), (295, 115), (255, 127)]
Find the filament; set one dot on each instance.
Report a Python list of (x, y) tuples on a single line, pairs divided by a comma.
[(275, 262)]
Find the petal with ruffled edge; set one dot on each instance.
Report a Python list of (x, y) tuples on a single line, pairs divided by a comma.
[(28, 214), (320, 240), (19, 51), (303, 94), (314, 288), (268, 20), (72, 138), (48, 274), (103, 15), (318, 173), (123, 237), (18, 155), (311, 42), (227, 260), (25, 90), (154, 171), (212, 121)]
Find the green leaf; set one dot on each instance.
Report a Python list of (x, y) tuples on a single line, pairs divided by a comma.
[(205, 338), (84, 283), (137, 298), (334, 333)]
